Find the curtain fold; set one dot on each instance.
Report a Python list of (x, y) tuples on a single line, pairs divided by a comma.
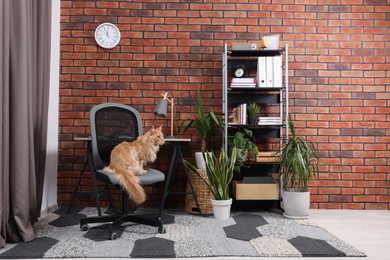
[(24, 77)]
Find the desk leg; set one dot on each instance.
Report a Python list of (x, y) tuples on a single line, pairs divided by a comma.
[(171, 173), (176, 155), (78, 185), (190, 183), (95, 191)]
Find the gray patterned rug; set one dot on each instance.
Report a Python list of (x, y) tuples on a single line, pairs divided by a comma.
[(244, 234)]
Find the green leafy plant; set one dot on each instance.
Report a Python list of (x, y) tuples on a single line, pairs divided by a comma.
[(253, 109), (299, 161), (204, 122), (219, 172), (244, 140)]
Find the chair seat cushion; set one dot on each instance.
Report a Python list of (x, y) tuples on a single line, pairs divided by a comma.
[(150, 177)]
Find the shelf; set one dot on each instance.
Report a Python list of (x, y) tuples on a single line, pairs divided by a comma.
[(266, 135), (255, 89), (253, 127), (239, 97), (259, 131), (240, 53), (253, 163)]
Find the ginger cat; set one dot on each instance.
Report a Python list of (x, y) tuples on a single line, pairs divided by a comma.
[(128, 158)]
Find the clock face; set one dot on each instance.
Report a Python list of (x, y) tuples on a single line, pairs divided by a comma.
[(107, 35), (239, 72)]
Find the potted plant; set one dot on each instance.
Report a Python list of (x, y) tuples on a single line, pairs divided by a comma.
[(299, 162), (252, 110), (204, 123), (219, 176), (244, 142)]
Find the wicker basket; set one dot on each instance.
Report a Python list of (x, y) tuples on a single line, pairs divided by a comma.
[(202, 194)]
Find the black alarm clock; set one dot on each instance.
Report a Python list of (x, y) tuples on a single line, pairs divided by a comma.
[(240, 71)]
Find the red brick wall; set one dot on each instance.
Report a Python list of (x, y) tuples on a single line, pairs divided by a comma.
[(339, 79)]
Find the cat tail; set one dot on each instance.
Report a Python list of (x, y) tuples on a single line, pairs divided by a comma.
[(130, 183)]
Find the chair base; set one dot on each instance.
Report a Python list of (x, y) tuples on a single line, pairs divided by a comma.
[(115, 221)]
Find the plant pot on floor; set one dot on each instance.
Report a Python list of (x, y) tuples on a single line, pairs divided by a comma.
[(296, 204), (221, 208), (219, 176), (202, 193)]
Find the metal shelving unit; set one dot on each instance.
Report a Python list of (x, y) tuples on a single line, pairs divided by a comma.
[(276, 96)]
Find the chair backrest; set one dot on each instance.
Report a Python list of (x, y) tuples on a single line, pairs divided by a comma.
[(112, 124)]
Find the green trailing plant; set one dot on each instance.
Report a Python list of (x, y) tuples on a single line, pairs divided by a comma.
[(245, 141), (204, 122), (253, 109), (299, 161), (219, 172)]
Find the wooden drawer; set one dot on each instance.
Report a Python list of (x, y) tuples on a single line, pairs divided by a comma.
[(255, 191)]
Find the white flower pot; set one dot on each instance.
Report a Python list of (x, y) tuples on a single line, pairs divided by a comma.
[(242, 155), (200, 162), (221, 208), (296, 204)]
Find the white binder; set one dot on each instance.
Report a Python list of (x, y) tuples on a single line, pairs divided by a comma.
[(270, 72), (277, 71), (261, 72)]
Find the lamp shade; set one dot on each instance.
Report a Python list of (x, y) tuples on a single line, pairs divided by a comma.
[(161, 108)]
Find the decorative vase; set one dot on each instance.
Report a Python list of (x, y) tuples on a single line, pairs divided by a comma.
[(242, 155), (200, 162), (221, 208), (296, 204), (251, 120)]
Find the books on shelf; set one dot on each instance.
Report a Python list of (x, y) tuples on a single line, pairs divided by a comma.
[(243, 83), (239, 115), (268, 120)]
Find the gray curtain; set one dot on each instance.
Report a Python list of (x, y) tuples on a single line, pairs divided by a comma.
[(24, 79)]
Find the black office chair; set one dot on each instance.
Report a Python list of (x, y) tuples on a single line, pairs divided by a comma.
[(110, 125)]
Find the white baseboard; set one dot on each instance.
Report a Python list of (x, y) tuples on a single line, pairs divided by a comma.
[(49, 209)]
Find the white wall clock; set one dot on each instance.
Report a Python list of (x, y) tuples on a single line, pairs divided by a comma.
[(107, 35)]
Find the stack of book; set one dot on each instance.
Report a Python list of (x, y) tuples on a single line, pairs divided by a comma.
[(243, 83), (239, 115), (267, 120)]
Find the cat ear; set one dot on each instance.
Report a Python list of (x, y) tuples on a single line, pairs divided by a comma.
[(159, 128)]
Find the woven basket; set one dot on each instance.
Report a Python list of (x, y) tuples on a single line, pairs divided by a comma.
[(202, 194)]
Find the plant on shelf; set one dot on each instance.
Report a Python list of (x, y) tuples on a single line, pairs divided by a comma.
[(299, 162), (219, 176), (245, 144), (252, 109)]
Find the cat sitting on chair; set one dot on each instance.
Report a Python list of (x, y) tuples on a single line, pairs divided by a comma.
[(128, 158)]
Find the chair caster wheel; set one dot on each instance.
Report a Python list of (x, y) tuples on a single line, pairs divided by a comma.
[(161, 230), (114, 236), (84, 227)]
